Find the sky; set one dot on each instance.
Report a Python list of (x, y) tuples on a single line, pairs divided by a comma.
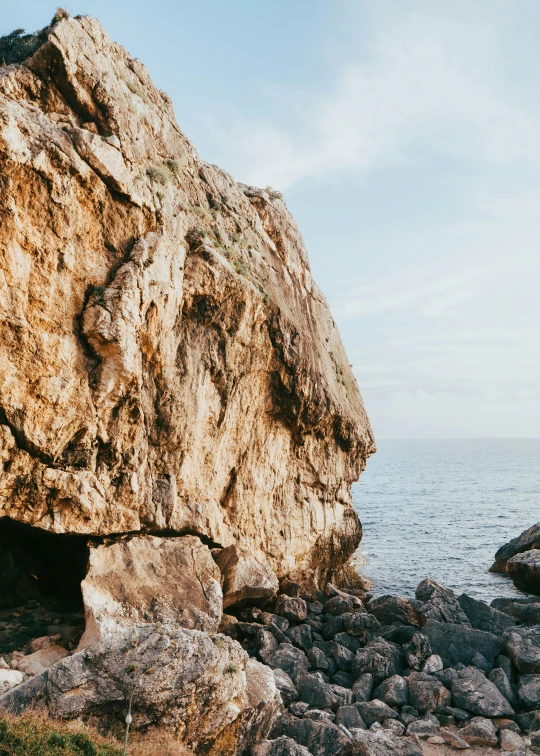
[(405, 136)]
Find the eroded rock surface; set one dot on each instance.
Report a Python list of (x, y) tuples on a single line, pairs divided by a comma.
[(149, 579), (167, 364)]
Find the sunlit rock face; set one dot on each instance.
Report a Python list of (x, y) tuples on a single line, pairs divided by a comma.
[(167, 364)]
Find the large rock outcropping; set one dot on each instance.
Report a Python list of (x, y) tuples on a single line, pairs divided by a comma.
[(167, 364)]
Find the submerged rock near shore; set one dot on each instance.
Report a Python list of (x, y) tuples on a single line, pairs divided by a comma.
[(520, 559)]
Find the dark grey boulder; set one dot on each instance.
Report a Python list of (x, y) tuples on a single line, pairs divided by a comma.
[(343, 679), (525, 610), (348, 641), (458, 643), (291, 660), (446, 676), (314, 691), (426, 693), (300, 636), (298, 708), (315, 607), (394, 726), (390, 609), (293, 609), (332, 626), (375, 711), (504, 663), (473, 692), (343, 602), (285, 686), (320, 715), (529, 691), (529, 721), (283, 746), (266, 618), (499, 678), (522, 645), (440, 604), (349, 716), (485, 617), (408, 714), (459, 714), (343, 657), (394, 691), (360, 624), (265, 640), (424, 728), (380, 658), (529, 539), (317, 658), (479, 661), (344, 695), (362, 687), (320, 738), (417, 651), (524, 570)]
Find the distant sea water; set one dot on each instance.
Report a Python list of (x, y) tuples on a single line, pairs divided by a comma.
[(441, 509)]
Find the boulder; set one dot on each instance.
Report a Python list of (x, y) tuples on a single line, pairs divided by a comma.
[(479, 731), (349, 717), (244, 578), (524, 570), (167, 669), (528, 721), (484, 617), (440, 604), (393, 691), (417, 651), (348, 641), (317, 658), (529, 539), (341, 602), (301, 636), (499, 678), (40, 660), (529, 691), (380, 658), (522, 645), (148, 579), (314, 691), (321, 738), (319, 715), (426, 693), (511, 741), (360, 624), (293, 609), (525, 610), (390, 609), (375, 711), (343, 679), (291, 660), (454, 739), (267, 618), (362, 687), (381, 743), (394, 726), (343, 657), (408, 715), (283, 746), (458, 643), (433, 664), (285, 686), (471, 690), (9, 678), (331, 627), (423, 728)]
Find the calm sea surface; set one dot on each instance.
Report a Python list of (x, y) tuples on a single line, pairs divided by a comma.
[(442, 509)]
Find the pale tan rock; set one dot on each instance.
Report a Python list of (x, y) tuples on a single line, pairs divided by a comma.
[(167, 363), (44, 642), (149, 579), (244, 578), (9, 678), (40, 660)]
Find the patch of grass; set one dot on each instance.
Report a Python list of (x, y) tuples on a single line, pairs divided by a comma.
[(231, 669), (174, 166), (35, 735), (159, 173)]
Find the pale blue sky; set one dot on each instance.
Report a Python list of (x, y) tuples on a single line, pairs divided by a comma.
[(405, 135)]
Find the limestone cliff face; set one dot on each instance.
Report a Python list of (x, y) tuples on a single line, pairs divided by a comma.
[(167, 364)]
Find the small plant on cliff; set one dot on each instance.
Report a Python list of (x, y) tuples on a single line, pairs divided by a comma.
[(60, 14), (273, 193), (159, 173), (231, 669)]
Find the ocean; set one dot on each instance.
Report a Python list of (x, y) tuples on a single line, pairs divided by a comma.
[(441, 509)]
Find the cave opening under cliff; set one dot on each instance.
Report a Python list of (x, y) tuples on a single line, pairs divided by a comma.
[(41, 566)]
